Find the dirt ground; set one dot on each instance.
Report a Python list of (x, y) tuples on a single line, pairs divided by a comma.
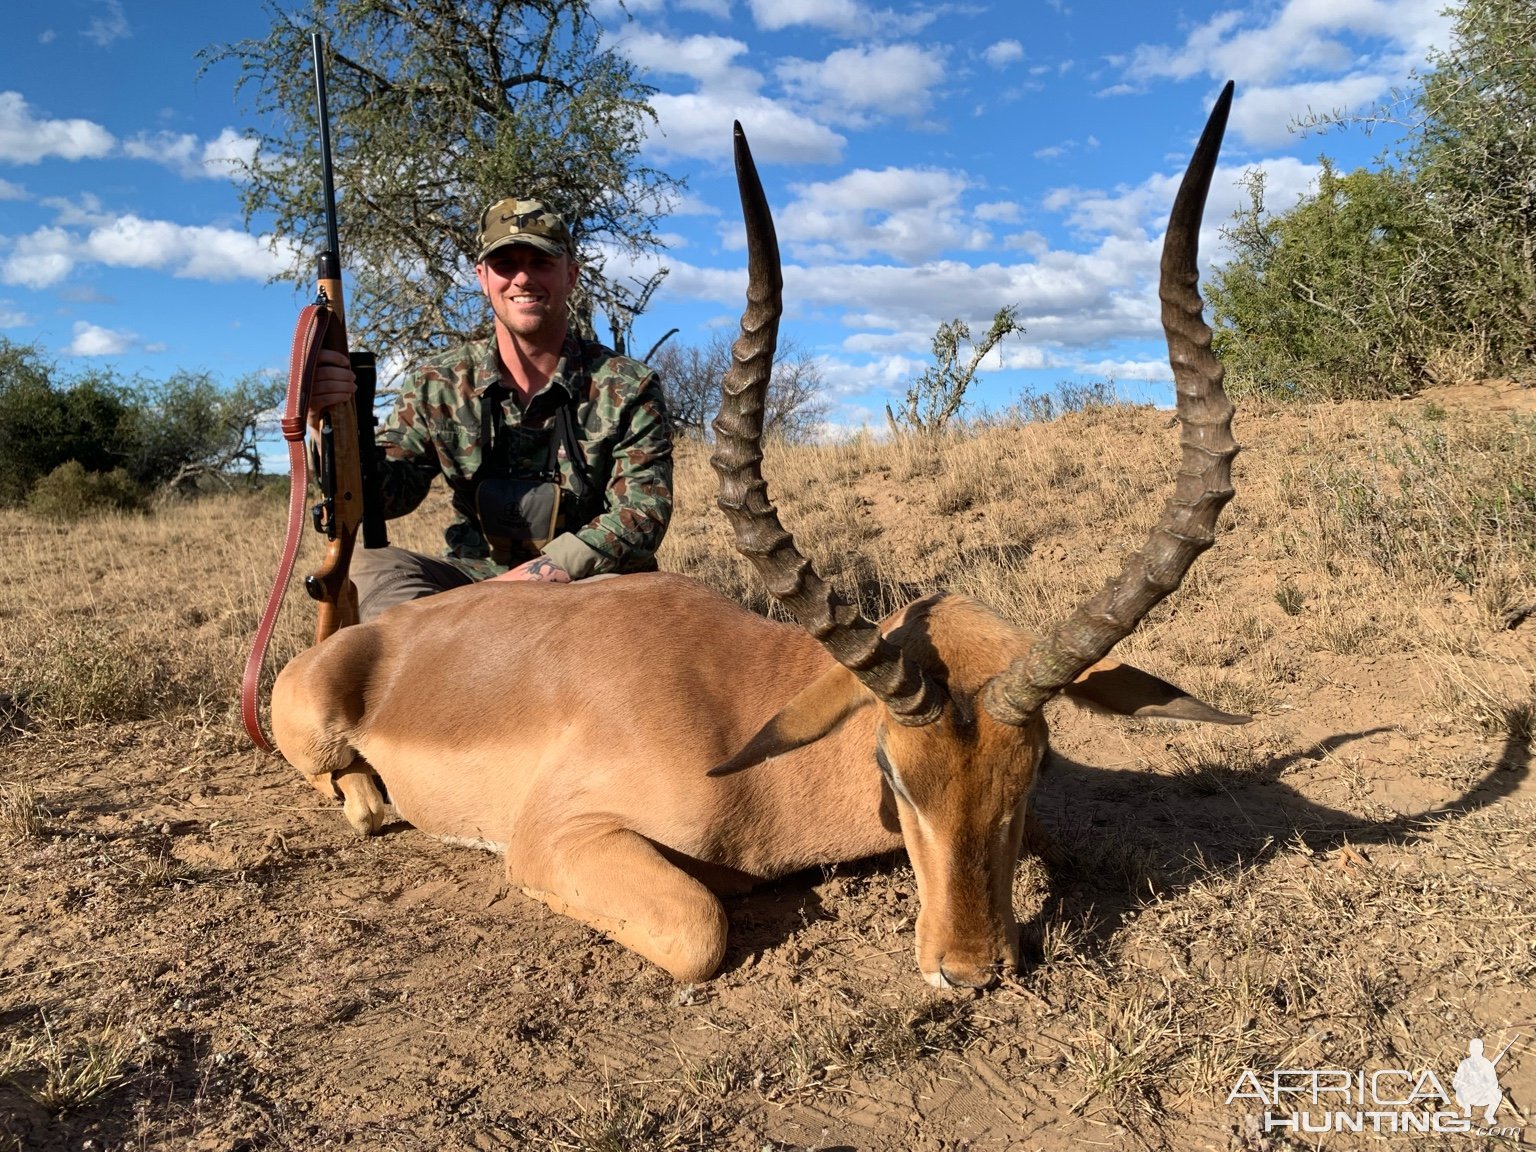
[(196, 953)]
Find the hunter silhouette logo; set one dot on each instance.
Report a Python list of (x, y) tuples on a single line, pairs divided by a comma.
[(1476, 1082), (1380, 1100)]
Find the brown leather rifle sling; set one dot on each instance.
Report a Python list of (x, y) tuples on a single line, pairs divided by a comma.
[(318, 328)]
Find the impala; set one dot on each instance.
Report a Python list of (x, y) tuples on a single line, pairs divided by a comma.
[(636, 746)]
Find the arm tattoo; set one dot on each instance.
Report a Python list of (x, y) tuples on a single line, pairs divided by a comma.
[(543, 569)]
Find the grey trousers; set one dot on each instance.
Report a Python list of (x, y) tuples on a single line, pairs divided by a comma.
[(389, 576)]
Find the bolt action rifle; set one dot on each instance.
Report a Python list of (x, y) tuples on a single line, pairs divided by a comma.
[(346, 457), (348, 488)]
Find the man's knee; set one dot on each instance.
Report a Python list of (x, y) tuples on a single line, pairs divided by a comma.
[(385, 577)]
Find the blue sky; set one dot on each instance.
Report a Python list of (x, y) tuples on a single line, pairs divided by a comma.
[(924, 161)]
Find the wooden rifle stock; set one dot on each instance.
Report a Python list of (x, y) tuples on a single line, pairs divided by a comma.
[(340, 513)]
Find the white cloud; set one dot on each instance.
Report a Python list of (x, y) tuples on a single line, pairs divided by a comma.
[(844, 17), (92, 340), (197, 252), (25, 139), (849, 86), (9, 191), (111, 25), (708, 59), (697, 124), (1003, 53), (1136, 213), (911, 214), (86, 211), (857, 85), (13, 317), (47, 256), (1124, 212), (1149, 370), (687, 204), (175, 151), (85, 294), (835, 15), (999, 212), (1266, 45), (228, 154), (39, 259), (1065, 299), (224, 157), (1016, 356), (1031, 243), (1261, 115)]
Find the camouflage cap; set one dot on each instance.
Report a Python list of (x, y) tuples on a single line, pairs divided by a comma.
[(515, 221)]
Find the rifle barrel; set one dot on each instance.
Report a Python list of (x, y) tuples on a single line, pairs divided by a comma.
[(330, 258), (1505, 1050)]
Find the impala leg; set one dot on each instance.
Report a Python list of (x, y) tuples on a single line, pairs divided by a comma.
[(361, 800), (311, 734), (352, 779), (617, 882)]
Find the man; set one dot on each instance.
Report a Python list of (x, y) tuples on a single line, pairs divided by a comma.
[(557, 451)]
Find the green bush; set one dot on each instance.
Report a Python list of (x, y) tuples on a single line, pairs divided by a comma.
[(168, 435), (1325, 300), (1420, 272), (71, 493), (44, 425)]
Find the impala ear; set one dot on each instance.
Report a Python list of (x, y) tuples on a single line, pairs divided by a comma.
[(1110, 686), (815, 710)]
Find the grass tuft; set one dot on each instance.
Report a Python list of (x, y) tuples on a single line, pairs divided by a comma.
[(21, 812), (67, 1075)]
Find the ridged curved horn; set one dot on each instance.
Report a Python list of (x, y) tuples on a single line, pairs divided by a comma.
[(853, 641), (1188, 523)]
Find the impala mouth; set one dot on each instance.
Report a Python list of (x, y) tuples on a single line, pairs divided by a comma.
[(978, 980)]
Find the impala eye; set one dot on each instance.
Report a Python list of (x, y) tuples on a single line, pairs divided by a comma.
[(885, 766), (890, 776)]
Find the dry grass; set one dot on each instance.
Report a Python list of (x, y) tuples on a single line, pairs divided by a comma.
[(1360, 517), (66, 1074), (21, 813), (1217, 899)]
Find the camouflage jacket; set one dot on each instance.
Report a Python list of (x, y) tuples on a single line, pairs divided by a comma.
[(441, 425)]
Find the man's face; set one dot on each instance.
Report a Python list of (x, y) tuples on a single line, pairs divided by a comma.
[(528, 290)]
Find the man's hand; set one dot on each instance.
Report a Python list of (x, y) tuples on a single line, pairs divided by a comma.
[(333, 383), (540, 568)]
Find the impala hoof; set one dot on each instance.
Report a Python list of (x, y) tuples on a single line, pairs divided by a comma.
[(362, 802)]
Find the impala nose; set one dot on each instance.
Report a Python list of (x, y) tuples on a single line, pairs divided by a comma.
[(958, 974)]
